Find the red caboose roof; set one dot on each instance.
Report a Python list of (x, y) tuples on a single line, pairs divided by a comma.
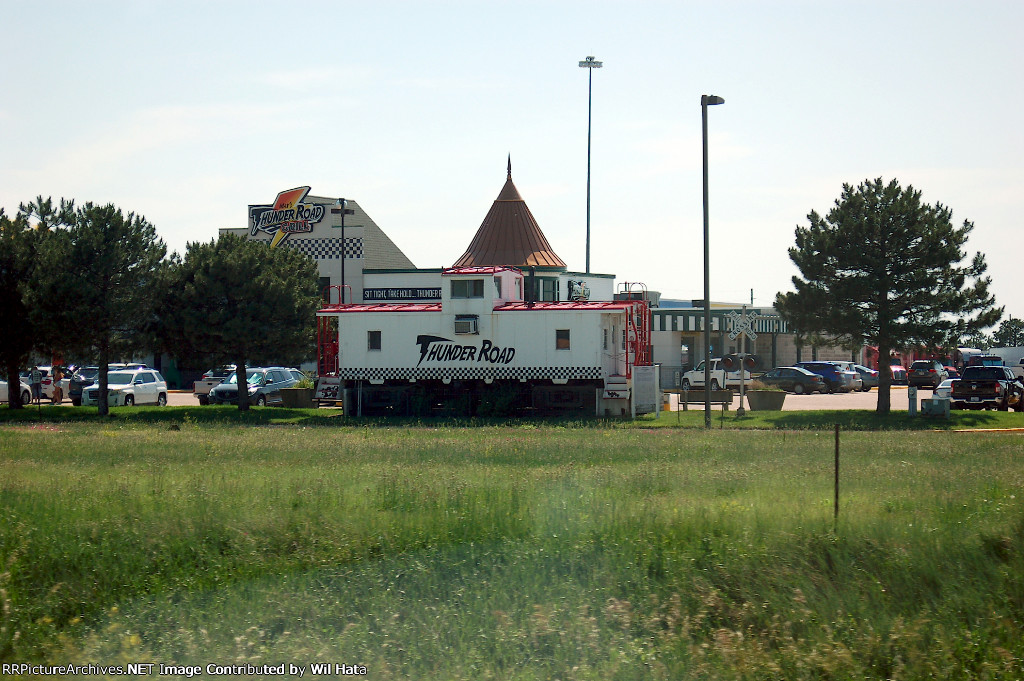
[(562, 306), (380, 307)]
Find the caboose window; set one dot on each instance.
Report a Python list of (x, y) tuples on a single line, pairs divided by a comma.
[(467, 288), (373, 340), (548, 289), (562, 339)]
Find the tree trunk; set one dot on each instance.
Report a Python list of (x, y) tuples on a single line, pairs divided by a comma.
[(243, 385), (14, 387), (102, 404), (884, 379)]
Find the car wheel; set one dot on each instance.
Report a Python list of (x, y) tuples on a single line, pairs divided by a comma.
[(829, 387), (798, 388), (686, 384), (26, 398), (129, 401), (161, 401), (261, 401), (76, 403), (714, 384)]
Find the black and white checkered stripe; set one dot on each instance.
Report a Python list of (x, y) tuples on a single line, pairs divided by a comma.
[(325, 249), (470, 373)]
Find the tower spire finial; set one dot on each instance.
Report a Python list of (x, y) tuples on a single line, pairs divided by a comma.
[(510, 166)]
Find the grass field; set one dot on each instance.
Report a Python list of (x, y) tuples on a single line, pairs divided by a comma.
[(516, 551)]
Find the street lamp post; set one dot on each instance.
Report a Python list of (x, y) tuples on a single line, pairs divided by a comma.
[(705, 102), (343, 209), (590, 64)]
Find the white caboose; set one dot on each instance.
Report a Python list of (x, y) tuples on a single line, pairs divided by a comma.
[(488, 348)]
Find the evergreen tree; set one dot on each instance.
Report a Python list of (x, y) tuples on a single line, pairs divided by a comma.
[(18, 246), (243, 302), (97, 282), (884, 269), (1010, 333)]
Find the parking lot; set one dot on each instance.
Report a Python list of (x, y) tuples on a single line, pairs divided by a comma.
[(858, 400)]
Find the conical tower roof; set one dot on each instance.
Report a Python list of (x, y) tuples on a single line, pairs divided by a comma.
[(509, 235)]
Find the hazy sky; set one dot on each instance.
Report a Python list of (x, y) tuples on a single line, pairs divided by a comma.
[(186, 112)]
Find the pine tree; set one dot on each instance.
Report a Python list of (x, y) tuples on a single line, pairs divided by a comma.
[(243, 302), (18, 245), (97, 282), (884, 269)]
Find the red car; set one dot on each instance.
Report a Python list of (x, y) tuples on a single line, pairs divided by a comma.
[(899, 374)]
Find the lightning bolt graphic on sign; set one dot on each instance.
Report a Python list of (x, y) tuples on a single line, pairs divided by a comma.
[(287, 215), (287, 200)]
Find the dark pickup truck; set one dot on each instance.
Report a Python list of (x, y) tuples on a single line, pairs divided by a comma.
[(987, 387)]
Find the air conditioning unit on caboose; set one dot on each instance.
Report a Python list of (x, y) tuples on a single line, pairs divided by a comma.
[(467, 324)]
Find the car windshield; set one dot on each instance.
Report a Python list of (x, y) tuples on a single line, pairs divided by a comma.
[(252, 377), (88, 372), (120, 377)]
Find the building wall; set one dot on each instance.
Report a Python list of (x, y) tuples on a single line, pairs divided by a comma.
[(675, 327), (365, 244)]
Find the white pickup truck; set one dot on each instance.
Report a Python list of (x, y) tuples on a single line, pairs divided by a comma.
[(719, 377), (210, 380)]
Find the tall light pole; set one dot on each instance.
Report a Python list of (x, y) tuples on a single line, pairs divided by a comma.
[(590, 64), (343, 209), (705, 102)]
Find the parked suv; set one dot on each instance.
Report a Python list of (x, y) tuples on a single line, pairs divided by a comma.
[(86, 376), (264, 383), (81, 379), (126, 387), (836, 379), (46, 384), (926, 372)]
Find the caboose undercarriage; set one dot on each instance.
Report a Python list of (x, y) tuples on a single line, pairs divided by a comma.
[(472, 398)]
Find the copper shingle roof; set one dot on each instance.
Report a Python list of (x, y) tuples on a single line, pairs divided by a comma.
[(509, 235)]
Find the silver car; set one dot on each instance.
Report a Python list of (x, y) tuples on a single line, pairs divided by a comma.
[(851, 377), (264, 383), (945, 388)]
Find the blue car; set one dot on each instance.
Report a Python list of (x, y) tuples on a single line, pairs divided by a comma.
[(834, 377)]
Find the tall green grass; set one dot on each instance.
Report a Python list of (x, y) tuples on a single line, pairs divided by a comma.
[(531, 552)]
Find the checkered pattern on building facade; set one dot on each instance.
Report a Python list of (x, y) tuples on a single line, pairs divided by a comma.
[(469, 373), (325, 249)]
